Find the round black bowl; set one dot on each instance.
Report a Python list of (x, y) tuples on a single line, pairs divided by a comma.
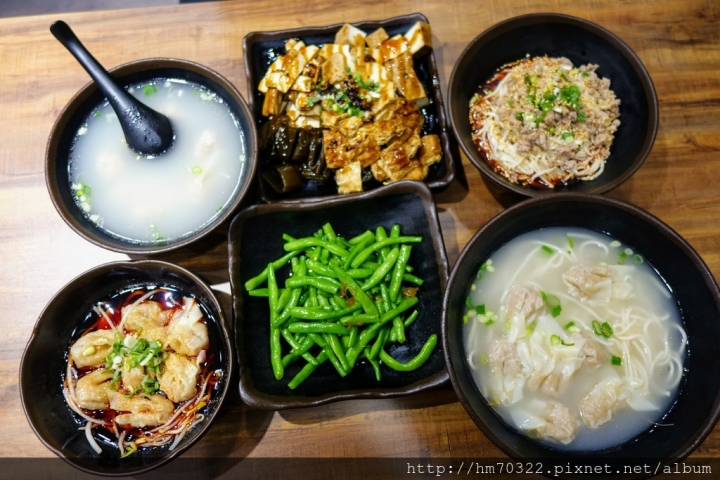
[(582, 42), (698, 400), (44, 362), (80, 106)]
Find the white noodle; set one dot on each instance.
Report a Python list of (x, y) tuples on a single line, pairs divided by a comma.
[(547, 157)]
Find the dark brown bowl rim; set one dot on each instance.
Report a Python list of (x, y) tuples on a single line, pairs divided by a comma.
[(259, 400), (90, 88), (537, 18), (506, 216), (222, 322), (445, 137)]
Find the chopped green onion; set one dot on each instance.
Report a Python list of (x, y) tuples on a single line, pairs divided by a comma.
[(554, 340), (606, 329), (149, 90), (567, 344), (480, 309), (566, 134), (585, 74), (196, 170), (616, 360), (469, 303), (511, 102), (602, 330), (570, 241), (465, 318), (553, 304), (569, 325), (638, 259), (548, 249), (98, 114), (621, 258), (519, 116), (581, 116), (484, 360)]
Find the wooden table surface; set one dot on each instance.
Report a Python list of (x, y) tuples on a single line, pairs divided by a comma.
[(677, 41)]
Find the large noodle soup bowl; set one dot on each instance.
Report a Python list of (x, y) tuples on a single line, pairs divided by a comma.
[(582, 42), (695, 410)]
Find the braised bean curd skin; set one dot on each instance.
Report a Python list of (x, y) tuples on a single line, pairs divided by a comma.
[(143, 373), (348, 113), (574, 339), (544, 122)]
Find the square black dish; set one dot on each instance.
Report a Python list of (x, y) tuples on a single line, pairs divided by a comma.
[(260, 50), (255, 239)]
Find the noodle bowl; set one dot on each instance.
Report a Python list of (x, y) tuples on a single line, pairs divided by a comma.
[(574, 338), (543, 122)]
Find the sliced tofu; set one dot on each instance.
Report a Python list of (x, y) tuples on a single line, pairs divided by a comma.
[(285, 70), (306, 81), (330, 118), (405, 112), (412, 145), (341, 150), (349, 178), (385, 131), (349, 126), (272, 102), (333, 70), (386, 95), (403, 75), (364, 150), (275, 66), (419, 39), (300, 102), (294, 44), (329, 49), (294, 112), (335, 155), (378, 172), (419, 171), (304, 121), (392, 47), (431, 151), (349, 35), (376, 38), (395, 162)]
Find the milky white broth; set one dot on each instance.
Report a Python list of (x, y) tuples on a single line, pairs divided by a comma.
[(526, 262), (147, 200)]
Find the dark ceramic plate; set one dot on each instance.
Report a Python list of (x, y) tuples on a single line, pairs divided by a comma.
[(80, 106), (582, 42), (261, 49), (44, 363), (256, 239), (696, 410)]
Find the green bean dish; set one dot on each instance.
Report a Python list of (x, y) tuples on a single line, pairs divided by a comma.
[(345, 301)]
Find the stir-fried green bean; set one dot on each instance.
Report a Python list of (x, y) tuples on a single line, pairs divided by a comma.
[(419, 359), (342, 301)]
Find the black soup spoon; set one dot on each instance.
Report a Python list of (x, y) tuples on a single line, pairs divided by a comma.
[(146, 131)]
